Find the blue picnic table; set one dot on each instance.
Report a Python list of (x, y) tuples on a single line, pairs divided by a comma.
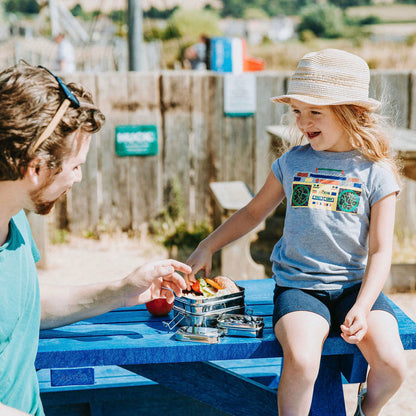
[(126, 360)]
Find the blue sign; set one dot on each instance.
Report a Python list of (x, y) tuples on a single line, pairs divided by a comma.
[(221, 54), (136, 140)]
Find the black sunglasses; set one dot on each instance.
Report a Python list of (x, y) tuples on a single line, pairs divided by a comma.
[(68, 93), (70, 99)]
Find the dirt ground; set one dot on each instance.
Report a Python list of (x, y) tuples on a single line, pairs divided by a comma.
[(85, 260)]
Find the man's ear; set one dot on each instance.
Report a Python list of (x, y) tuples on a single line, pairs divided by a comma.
[(34, 171)]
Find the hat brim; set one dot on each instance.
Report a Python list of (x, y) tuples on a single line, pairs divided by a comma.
[(369, 104)]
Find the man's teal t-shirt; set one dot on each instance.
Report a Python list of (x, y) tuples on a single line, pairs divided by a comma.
[(19, 318)]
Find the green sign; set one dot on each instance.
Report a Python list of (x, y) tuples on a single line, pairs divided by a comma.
[(136, 140)]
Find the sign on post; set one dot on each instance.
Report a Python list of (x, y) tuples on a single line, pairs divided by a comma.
[(239, 95), (136, 140)]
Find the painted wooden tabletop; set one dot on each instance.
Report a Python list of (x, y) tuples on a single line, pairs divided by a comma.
[(133, 336)]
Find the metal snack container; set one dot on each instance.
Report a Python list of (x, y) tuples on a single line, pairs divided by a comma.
[(201, 304), (241, 325), (206, 319), (204, 312)]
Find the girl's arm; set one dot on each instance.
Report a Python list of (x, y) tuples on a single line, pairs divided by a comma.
[(239, 224), (378, 266)]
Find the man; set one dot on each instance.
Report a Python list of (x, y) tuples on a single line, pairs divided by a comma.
[(65, 56), (45, 132)]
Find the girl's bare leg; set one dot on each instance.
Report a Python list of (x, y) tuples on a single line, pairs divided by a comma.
[(301, 335), (383, 350)]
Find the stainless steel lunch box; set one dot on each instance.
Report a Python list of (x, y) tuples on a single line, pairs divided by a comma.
[(205, 311), (241, 325)]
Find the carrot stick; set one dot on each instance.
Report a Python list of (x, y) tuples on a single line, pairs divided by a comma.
[(214, 284)]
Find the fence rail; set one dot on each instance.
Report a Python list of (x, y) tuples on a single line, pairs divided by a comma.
[(198, 144)]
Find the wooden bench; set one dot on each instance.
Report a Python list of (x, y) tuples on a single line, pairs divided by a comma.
[(100, 390)]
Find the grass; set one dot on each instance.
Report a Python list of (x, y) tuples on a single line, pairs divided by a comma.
[(387, 55)]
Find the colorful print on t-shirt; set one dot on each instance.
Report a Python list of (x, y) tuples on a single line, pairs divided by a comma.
[(326, 189)]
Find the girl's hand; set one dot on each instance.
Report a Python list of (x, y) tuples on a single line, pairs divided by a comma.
[(200, 259), (155, 280), (355, 325)]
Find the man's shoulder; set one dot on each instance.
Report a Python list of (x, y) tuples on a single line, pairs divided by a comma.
[(20, 218)]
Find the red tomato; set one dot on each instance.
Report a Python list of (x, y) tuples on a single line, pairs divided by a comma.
[(196, 287), (159, 307)]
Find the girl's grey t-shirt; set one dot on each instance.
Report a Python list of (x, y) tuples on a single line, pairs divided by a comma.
[(329, 198)]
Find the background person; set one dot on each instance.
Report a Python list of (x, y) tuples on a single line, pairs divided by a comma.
[(196, 55), (45, 133), (334, 256), (65, 59)]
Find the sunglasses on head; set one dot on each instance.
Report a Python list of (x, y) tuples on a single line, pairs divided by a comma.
[(70, 99)]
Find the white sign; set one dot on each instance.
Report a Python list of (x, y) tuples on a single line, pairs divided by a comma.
[(239, 95)]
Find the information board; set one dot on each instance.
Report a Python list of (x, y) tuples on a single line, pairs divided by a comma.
[(239, 95), (136, 140)]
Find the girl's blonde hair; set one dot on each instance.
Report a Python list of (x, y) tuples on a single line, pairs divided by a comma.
[(369, 133)]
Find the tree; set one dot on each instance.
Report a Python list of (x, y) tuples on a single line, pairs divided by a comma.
[(154, 13), (233, 8), (77, 10), (343, 4), (324, 21), (21, 6), (237, 8)]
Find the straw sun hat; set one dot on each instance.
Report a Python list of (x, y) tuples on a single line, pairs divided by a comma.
[(330, 77)]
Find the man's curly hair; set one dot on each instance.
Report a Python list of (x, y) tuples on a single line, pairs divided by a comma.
[(29, 98)]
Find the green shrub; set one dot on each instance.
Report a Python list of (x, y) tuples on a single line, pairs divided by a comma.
[(324, 21), (192, 23), (370, 20), (307, 36), (172, 230), (187, 236)]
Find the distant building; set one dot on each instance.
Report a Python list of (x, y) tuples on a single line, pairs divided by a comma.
[(282, 28), (277, 29)]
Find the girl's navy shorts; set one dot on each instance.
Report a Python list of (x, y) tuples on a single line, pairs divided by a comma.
[(333, 305)]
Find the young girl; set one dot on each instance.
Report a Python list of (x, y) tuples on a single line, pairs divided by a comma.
[(334, 256)]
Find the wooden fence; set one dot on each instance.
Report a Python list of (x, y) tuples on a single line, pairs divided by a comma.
[(91, 57), (197, 144)]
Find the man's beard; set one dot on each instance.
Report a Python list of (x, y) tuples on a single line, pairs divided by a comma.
[(40, 206), (43, 207)]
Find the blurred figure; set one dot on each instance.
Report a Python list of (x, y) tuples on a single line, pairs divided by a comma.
[(65, 60), (196, 55)]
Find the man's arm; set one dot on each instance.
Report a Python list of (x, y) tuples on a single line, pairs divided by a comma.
[(62, 304)]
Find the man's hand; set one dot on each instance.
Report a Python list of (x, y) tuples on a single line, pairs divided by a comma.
[(155, 280)]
